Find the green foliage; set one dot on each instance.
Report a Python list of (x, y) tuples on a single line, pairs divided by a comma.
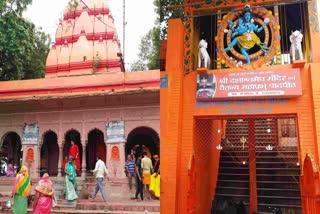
[(166, 13), (149, 52), (154, 62), (23, 48), (13, 6), (36, 68)]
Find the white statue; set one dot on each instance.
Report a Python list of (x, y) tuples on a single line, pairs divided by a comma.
[(203, 55), (296, 39)]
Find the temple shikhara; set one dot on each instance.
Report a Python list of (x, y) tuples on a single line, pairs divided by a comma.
[(85, 97), (240, 108)]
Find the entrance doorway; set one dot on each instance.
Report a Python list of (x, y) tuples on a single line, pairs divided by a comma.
[(254, 162), (75, 136), (11, 148), (142, 139), (96, 146), (49, 155)]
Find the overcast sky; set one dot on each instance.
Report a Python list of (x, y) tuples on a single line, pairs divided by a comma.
[(140, 16)]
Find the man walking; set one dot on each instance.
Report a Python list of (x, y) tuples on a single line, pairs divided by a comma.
[(100, 170)]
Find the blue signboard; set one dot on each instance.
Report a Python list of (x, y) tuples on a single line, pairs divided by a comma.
[(30, 134), (115, 131)]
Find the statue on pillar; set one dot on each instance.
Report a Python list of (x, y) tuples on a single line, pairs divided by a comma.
[(296, 39), (203, 56)]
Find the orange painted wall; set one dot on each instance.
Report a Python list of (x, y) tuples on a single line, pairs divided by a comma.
[(185, 133), (180, 132), (206, 161), (171, 119), (315, 77)]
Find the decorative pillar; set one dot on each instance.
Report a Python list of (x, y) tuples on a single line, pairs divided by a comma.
[(38, 160), (116, 159), (83, 164), (60, 162), (314, 32), (277, 23), (28, 161), (219, 19)]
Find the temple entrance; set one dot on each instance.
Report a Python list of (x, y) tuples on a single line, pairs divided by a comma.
[(254, 163), (49, 154), (11, 148), (75, 136), (96, 146), (142, 139)]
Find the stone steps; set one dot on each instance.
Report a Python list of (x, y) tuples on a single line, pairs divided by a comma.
[(98, 206), (150, 206), (88, 212), (118, 199)]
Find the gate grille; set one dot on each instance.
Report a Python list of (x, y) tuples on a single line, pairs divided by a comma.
[(275, 144)]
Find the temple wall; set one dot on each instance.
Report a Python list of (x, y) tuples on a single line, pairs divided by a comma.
[(83, 121)]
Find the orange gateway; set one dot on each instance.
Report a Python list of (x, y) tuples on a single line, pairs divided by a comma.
[(242, 133)]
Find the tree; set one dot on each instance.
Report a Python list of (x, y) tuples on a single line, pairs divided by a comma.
[(23, 48), (36, 68), (166, 12), (149, 48)]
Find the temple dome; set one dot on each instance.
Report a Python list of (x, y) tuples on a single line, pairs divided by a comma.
[(84, 30)]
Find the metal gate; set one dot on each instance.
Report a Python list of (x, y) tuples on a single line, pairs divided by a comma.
[(259, 163)]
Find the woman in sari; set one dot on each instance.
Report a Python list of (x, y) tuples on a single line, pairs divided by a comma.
[(74, 152), (43, 197), (154, 187), (11, 171), (70, 181), (21, 190)]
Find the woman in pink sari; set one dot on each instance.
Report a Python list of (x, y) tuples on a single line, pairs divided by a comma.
[(43, 198)]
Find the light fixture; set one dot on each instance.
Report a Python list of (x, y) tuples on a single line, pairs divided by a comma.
[(244, 162), (219, 147), (268, 130), (298, 164), (219, 130), (269, 148)]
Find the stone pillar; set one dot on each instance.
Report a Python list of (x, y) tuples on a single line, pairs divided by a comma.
[(60, 161), (116, 159), (37, 158), (30, 164), (83, 164)]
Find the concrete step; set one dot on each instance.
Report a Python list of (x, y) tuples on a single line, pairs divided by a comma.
[(100, 211), (87, 212), (98, 206), (119, 205), (66, 203)]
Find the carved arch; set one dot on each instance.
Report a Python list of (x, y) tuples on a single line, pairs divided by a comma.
[(44, 134), (6, 134)]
